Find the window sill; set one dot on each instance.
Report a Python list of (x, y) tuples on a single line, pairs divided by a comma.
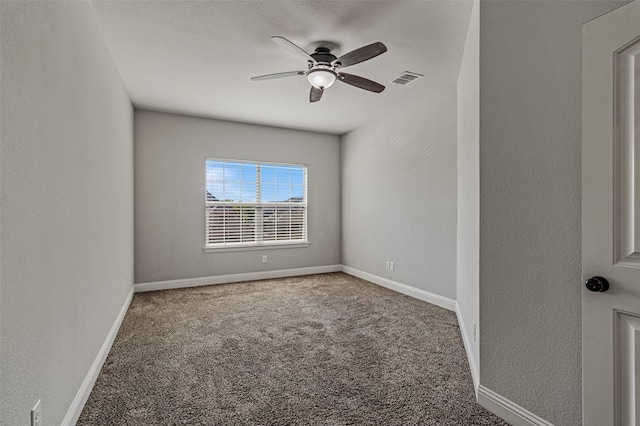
[(254, 248)]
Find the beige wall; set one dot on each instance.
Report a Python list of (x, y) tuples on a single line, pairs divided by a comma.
[(170, 152), (66, 217), (399, 196), (530, 207)]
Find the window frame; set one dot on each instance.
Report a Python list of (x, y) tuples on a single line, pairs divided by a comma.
[(259, 206)]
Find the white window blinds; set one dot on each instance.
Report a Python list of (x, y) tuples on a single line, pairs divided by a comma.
[(251, 204)]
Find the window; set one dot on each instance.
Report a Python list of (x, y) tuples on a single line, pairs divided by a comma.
[(254, 204)]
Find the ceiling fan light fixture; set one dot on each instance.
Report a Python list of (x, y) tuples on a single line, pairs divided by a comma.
[(323, 68), (321, 78)]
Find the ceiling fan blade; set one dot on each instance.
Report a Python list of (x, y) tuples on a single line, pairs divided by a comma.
[(277, 75), (283, 42), (360, 55), (315, 94), (360, 82)]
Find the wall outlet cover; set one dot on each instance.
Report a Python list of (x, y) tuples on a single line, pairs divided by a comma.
[(36, 414)]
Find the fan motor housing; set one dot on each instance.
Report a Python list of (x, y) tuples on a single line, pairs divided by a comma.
[(323, 55)]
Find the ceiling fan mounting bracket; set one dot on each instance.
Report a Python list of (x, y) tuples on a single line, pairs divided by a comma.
[(332, 46)]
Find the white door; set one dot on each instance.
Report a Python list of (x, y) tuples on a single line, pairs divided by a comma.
[(611, 217)]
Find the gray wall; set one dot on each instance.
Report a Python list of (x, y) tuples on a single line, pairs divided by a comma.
[(66, 216), (530, 145), (170, 152), (399, 195), (468, 221)]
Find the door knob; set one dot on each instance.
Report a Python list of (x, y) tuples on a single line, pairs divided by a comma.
[(597, 284)]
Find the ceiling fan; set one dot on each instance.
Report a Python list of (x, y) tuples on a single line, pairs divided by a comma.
[(323, 68)]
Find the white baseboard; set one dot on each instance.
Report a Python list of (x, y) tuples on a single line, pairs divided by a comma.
[(435, 299), (83, 393), (508, 410), (473, 363), (234, 278)]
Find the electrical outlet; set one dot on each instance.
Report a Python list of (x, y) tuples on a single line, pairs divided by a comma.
[(264, 258), (392, 266), (36, 414), (388, 267), (475, 333)]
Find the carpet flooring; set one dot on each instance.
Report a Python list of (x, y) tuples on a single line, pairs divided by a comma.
[(327, 349)]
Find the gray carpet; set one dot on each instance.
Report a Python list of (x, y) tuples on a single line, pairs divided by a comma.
[(326, 349)]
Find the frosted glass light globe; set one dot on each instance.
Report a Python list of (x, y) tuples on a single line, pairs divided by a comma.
[(321, 79)]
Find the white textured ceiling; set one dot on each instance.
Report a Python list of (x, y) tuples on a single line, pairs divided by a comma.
[(197, 57)]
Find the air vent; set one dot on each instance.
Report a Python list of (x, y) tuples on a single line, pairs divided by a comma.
[(406, 78)]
